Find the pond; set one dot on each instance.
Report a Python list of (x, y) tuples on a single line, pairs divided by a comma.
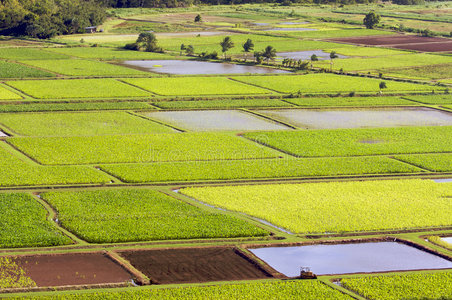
[(206, 120), (447, 239), (360, 118), (191, 67), (443, 180), (293, 23), (303, 55), (349, 258)]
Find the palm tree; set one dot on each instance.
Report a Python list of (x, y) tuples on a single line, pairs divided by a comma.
[(226, 44), (313, 58), (333, 55), (269, 53), (248, 46)]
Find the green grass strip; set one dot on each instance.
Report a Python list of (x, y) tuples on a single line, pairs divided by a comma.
[(227, 103), (350, 101), (75, 106), (337, 206), (24, 223), (12, 70), (140, 215), (432, 99), (252, 169), (405, 286)]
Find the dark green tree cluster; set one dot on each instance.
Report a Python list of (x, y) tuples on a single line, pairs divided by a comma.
[(47, 18), (147, 42)]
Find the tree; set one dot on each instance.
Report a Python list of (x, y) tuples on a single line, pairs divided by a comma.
[(148, 42), (226, 44), (333, 55), (182, 48), (371, 19), (313, 58), (190, 50), (198, 18), (258, 57), (382, 86), (248, 46), (269, 53)]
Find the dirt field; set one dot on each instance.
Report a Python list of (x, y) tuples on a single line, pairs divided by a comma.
[(408, 42), (194, 265), (72, 269)]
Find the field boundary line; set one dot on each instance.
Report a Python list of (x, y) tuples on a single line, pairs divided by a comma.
[(341, 289), (112, 176), (24, 154), (19, 154), (263, 116), (133, 113), (141, 278), (52, 217), (412, 164), (23, 95), (255, 85), (138, 87)]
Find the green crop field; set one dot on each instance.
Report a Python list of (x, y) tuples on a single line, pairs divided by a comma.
[(13, 276), (12, 70), (406, 286), (328, 83), (332, 33), (352, 142), (28, 53), (195, 86), (86, 106), (106, 53), (74, 124), (77, 88), (139, 215), (17, 172), (432, 99), (430, 72), (230, 103), (434, 162), (140, 148), (308, 289), (6, 94), (337, 206), (351, 101), (262, 168), (386, 62), (80, 67), (24, 223)]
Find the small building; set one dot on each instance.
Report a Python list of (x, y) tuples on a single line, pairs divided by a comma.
[(91, 29)]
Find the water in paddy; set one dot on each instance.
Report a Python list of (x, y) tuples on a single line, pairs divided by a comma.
[(303, 55), (349, 258), (191, 67), (2, 134), (447, 239), (291, 29), (443, 180), (190, 33), (261, 24), (206, 120), (360, 118)]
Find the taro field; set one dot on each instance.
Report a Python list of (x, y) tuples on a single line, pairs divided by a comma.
[(170, 174)]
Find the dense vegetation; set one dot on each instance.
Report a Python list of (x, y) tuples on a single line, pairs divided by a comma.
[(138, 215), (306, 289), (337, 206), (24, 223), (44, 19), (407, 286), (12, 275)]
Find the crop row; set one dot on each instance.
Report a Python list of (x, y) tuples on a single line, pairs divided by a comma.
[(138, 215), (352, 142), (337, 206), (12, 70), (260, 168), (140, 148), (305, 289), (82, 106), (406, 286)]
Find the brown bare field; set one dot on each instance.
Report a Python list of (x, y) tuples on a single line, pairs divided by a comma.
[(72, 269), (407, 42), (186, 265)]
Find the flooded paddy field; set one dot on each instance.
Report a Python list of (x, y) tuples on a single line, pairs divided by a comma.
[(72, 269), (202, 120), (191, 67), (291, 29), (447, 239), (360, 118), (194, 265), (349, 258)]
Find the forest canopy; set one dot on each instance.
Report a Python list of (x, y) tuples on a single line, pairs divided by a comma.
[(47, 18)]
